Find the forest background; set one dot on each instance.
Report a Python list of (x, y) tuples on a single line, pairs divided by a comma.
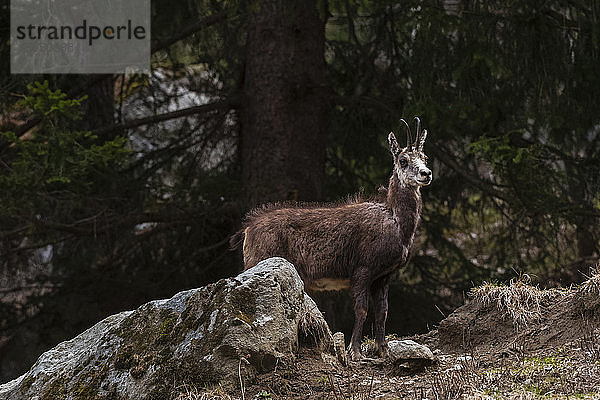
[(119, 189)]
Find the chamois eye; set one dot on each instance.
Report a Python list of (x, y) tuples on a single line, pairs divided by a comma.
[(403, 162)]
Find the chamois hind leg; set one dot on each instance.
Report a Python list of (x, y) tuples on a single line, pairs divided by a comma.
[(379, 293), (361, 303)]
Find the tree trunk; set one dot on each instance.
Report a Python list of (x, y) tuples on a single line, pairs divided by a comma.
[(286, 102), (99, 107)]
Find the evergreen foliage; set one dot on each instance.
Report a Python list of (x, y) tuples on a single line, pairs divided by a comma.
[(53, 168)]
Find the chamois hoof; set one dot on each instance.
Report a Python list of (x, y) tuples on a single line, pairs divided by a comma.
[(383, 351), (355, 355), (359, 358)]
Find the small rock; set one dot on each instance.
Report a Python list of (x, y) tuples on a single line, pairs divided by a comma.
[(408, 350), (339, 347)]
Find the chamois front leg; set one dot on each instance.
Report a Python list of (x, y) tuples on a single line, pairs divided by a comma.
[(361, 303), (379, 293)]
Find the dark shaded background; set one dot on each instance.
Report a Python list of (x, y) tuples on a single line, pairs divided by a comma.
[(257, 101)]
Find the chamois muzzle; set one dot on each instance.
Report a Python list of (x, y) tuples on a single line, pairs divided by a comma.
[(425, 177)]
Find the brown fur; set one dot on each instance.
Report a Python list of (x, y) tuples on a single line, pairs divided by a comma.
[(357, 244)]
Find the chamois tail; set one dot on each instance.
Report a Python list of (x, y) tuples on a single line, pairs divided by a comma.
[(236, 240)]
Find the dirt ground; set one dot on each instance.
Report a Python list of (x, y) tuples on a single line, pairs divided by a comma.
[(507, 342)]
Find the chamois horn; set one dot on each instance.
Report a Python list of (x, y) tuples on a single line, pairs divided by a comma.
[(408, 135)]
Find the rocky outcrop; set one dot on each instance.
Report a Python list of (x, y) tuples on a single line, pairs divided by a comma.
[(235, 328)]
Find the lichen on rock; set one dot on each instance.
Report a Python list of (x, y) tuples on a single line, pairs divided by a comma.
[(199, 336)]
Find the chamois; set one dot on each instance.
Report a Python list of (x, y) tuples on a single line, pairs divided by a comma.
[(356, 245)]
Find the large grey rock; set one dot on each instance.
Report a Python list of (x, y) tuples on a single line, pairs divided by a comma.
[(208, 335)]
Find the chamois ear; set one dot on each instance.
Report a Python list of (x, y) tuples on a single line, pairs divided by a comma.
[(394, 148), (422, 139)]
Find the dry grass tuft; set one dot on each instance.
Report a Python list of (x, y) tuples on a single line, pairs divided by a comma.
[(592, 285), (520, 301), (451, 384), (588, 293), (190, 392), (313, 327)]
